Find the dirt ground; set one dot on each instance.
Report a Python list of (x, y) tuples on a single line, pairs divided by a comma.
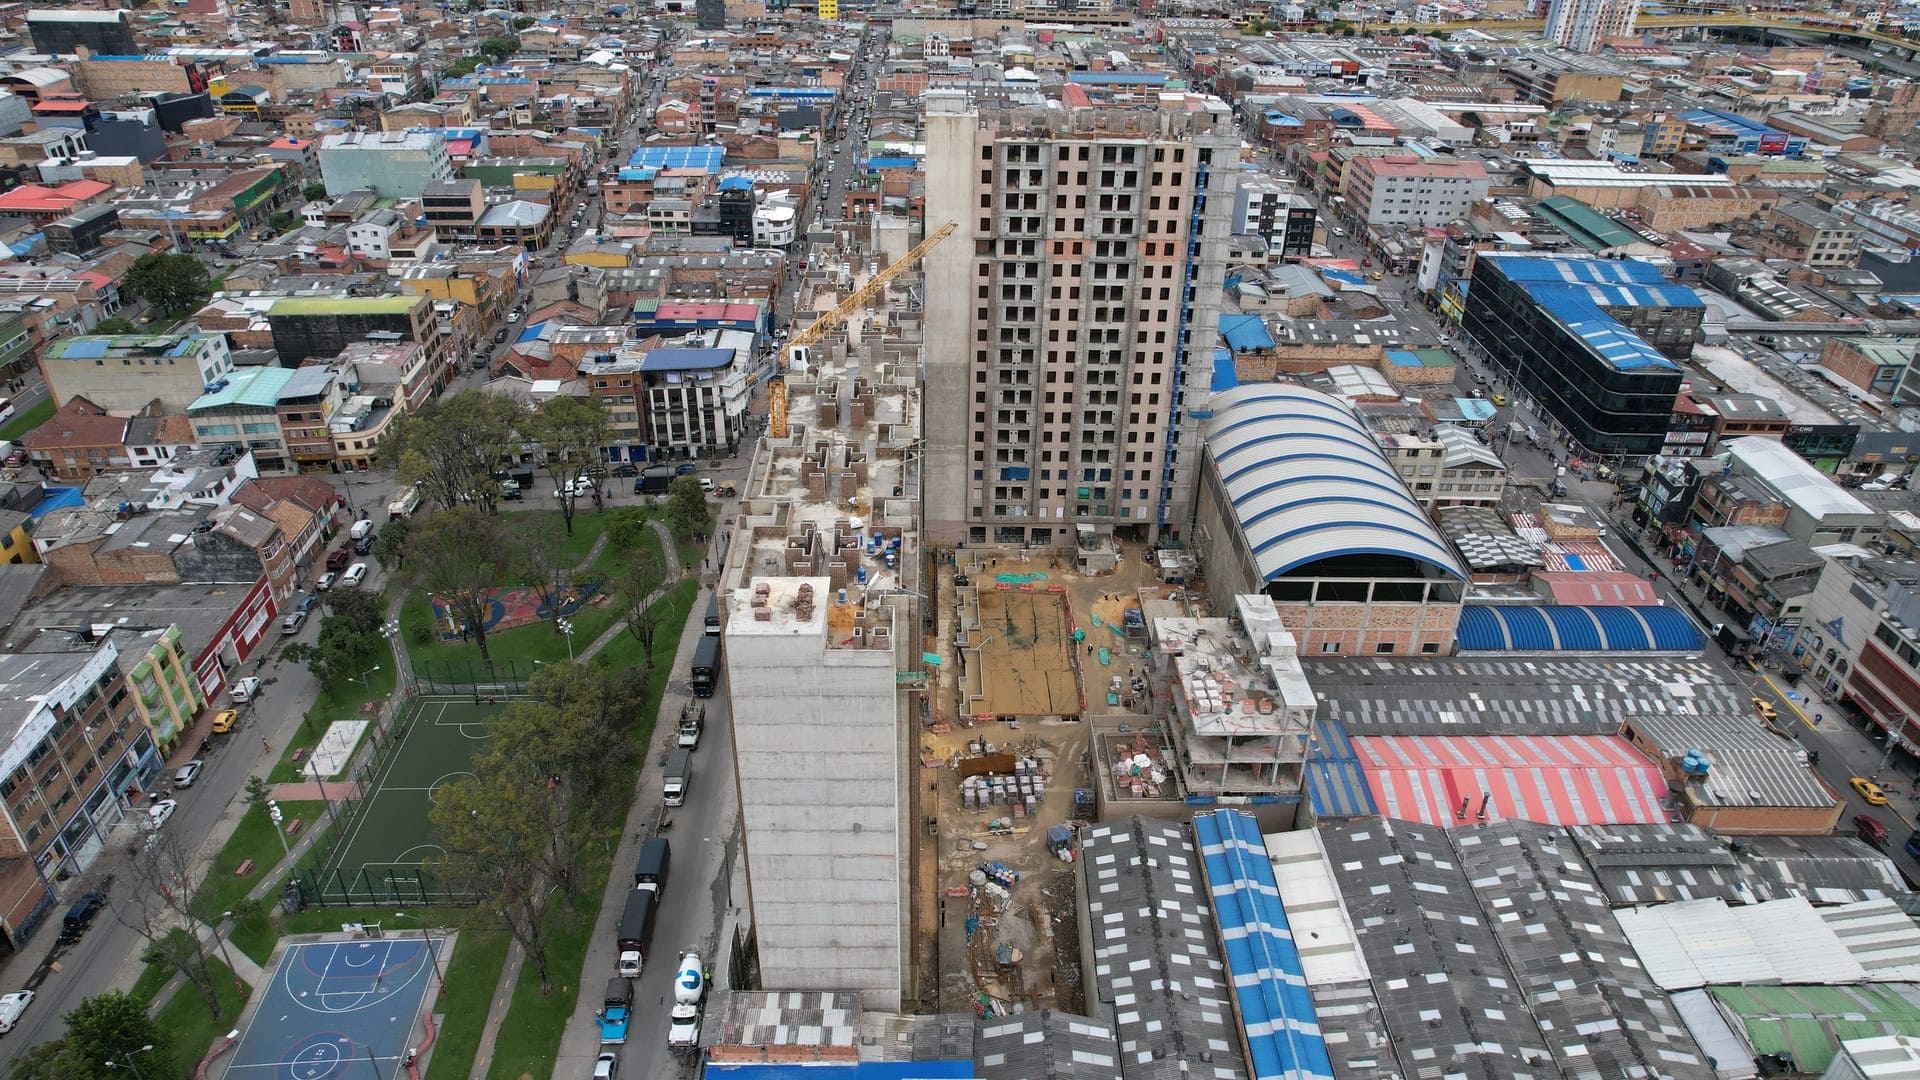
[(1038, 917), (1025, 655)]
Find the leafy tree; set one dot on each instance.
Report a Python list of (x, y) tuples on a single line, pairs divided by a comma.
[(342, 653), (521, 22), (362, 609), (170, 282), (628, 526), (460, 555), (51, 1060), (112, 1027), (157, 909), (497, 49), (572, 433), (466, 65), (497, 828), (315, 190), (258, 792), (390, 545), (646, 572), (687, 511), (452, 447), (115, 325), (283, 221), (536, 555)]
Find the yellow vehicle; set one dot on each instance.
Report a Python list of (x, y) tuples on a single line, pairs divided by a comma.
[(1498, 399), (1765, 709), (1869, 791), (224, 720)]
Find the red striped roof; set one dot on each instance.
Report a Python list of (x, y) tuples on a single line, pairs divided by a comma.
[(1552, 779), (1597, 587), (702, 310)]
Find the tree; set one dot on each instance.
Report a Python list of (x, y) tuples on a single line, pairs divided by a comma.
[(258, 792), (51, 1060), (521, 22), (645, 573), (459, 556), (171, 283), (115, 325), (363, 609), (452, 447), (497, 49), (390, 546), (537, 559), (113, 1027), (496, 828), (158, 909), (466, 65), (572, 433), (283, 221), (342, 653), (315, 190), (687, 511)]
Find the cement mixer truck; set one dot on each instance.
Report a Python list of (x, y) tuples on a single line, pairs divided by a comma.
[(689, 996)]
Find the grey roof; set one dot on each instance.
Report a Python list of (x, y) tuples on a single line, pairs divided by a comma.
[(1044, 1045), (1157, 971), (1751, 766), (1641, 864), (517, 212), (1588, 696), (1583, 981), (1356, 1037), (16, 585), (1736, 540), (1450, 1005), (1783, 559)]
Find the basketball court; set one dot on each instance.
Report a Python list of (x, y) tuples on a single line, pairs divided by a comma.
[(338, 1010)]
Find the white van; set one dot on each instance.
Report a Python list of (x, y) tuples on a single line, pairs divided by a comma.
[(361, 529), (12, 1006), (244, 690)]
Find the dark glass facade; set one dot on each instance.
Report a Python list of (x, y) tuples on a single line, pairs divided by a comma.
[(1606, 409)]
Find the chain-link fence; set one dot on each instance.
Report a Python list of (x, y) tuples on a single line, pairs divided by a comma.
[(504, 678)]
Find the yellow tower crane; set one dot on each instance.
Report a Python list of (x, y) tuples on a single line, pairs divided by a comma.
[(824, 325)]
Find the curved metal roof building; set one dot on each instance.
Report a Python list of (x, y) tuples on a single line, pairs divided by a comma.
[(1309, 483)]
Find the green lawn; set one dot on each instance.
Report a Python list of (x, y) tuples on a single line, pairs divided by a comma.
[(253, 838), (340, 701), (522, 645), (587, 527), (185, 1018), (530, 1035), (624, 651), (472, 978), (27, 421)]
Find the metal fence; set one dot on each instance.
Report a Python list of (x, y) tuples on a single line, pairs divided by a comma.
[(317, 880), (505, 678)]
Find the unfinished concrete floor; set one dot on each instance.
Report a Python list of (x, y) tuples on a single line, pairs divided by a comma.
[(1038, 915)]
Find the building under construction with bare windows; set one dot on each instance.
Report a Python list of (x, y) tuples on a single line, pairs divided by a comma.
[(821, 594)]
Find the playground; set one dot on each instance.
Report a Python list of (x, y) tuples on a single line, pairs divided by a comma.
[(339, 1010), (517, 605), (378, 859)]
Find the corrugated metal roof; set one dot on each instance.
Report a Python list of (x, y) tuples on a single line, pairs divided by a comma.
[(1308, 481), (1276, 1012), (257, 388), (1576, 628), (1044, 1045), (1881, 936), (678, 157), (1556, 780), (1715, 1037), (1808, 1022), (1640, 864), (1156, 968), (1578, 291), (1606, 1018), (1706, 943), (1329, 951), (1336, 784), (1245, 332)]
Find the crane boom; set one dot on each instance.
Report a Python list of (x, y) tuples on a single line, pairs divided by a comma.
[(824, 325)]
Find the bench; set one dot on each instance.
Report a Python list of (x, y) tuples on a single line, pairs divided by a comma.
[(294, 826), (299, 755), (245, 868)]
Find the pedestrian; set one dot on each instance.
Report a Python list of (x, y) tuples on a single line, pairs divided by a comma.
[(265, 745)]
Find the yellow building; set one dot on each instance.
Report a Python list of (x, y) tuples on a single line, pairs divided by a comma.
[(165, 693), (16, 544), (591, 253), (829, 9)]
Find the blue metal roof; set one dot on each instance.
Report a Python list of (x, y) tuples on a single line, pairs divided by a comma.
[(679, 157), (1224, 375), (1277, 1018), (892, 163), (1336, 784), (1579, 628), (1245, 332), (1578, 291), (794, 92), (687, 359)]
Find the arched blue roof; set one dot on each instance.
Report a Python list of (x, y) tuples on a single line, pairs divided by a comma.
[(1576, 628), (1308, 481)]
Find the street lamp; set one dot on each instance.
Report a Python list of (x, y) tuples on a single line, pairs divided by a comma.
[(433, 948), (566, 627), (128, 1064), (362, 677), (225, 957)]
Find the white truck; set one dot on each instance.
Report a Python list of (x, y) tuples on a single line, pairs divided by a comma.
[(689, 997), (12, 1006), (690, 724), (404, 502)]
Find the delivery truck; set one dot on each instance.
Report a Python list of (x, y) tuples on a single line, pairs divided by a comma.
[(636, 931), (679, 777), (706, 666), (404, 502), (616, 1012)]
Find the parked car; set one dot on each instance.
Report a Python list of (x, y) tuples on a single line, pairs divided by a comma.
[(185, 775), (81, 915), (11, 1007), (338, 559), (625, 468), (1498, 399), (326, 581), (224, 720), (159, 813), (355, 574), (513, 316), (606, 1066), (307, 603), (499, 336), (685, 468), (291, 625)]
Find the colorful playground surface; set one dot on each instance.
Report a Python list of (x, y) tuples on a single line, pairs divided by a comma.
[(516, 606)]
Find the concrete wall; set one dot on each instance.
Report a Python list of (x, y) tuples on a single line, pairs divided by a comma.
[(817, 754), (950, 138)]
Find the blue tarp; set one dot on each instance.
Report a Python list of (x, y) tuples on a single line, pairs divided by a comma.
[(1245, 333), (1224, 376), (1576, 627), (1277, 1018), (56, 498)]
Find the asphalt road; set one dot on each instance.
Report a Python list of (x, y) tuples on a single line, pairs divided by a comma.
[(697, 895)]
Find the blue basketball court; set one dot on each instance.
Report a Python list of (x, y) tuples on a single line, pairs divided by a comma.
[(337, 1010)]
